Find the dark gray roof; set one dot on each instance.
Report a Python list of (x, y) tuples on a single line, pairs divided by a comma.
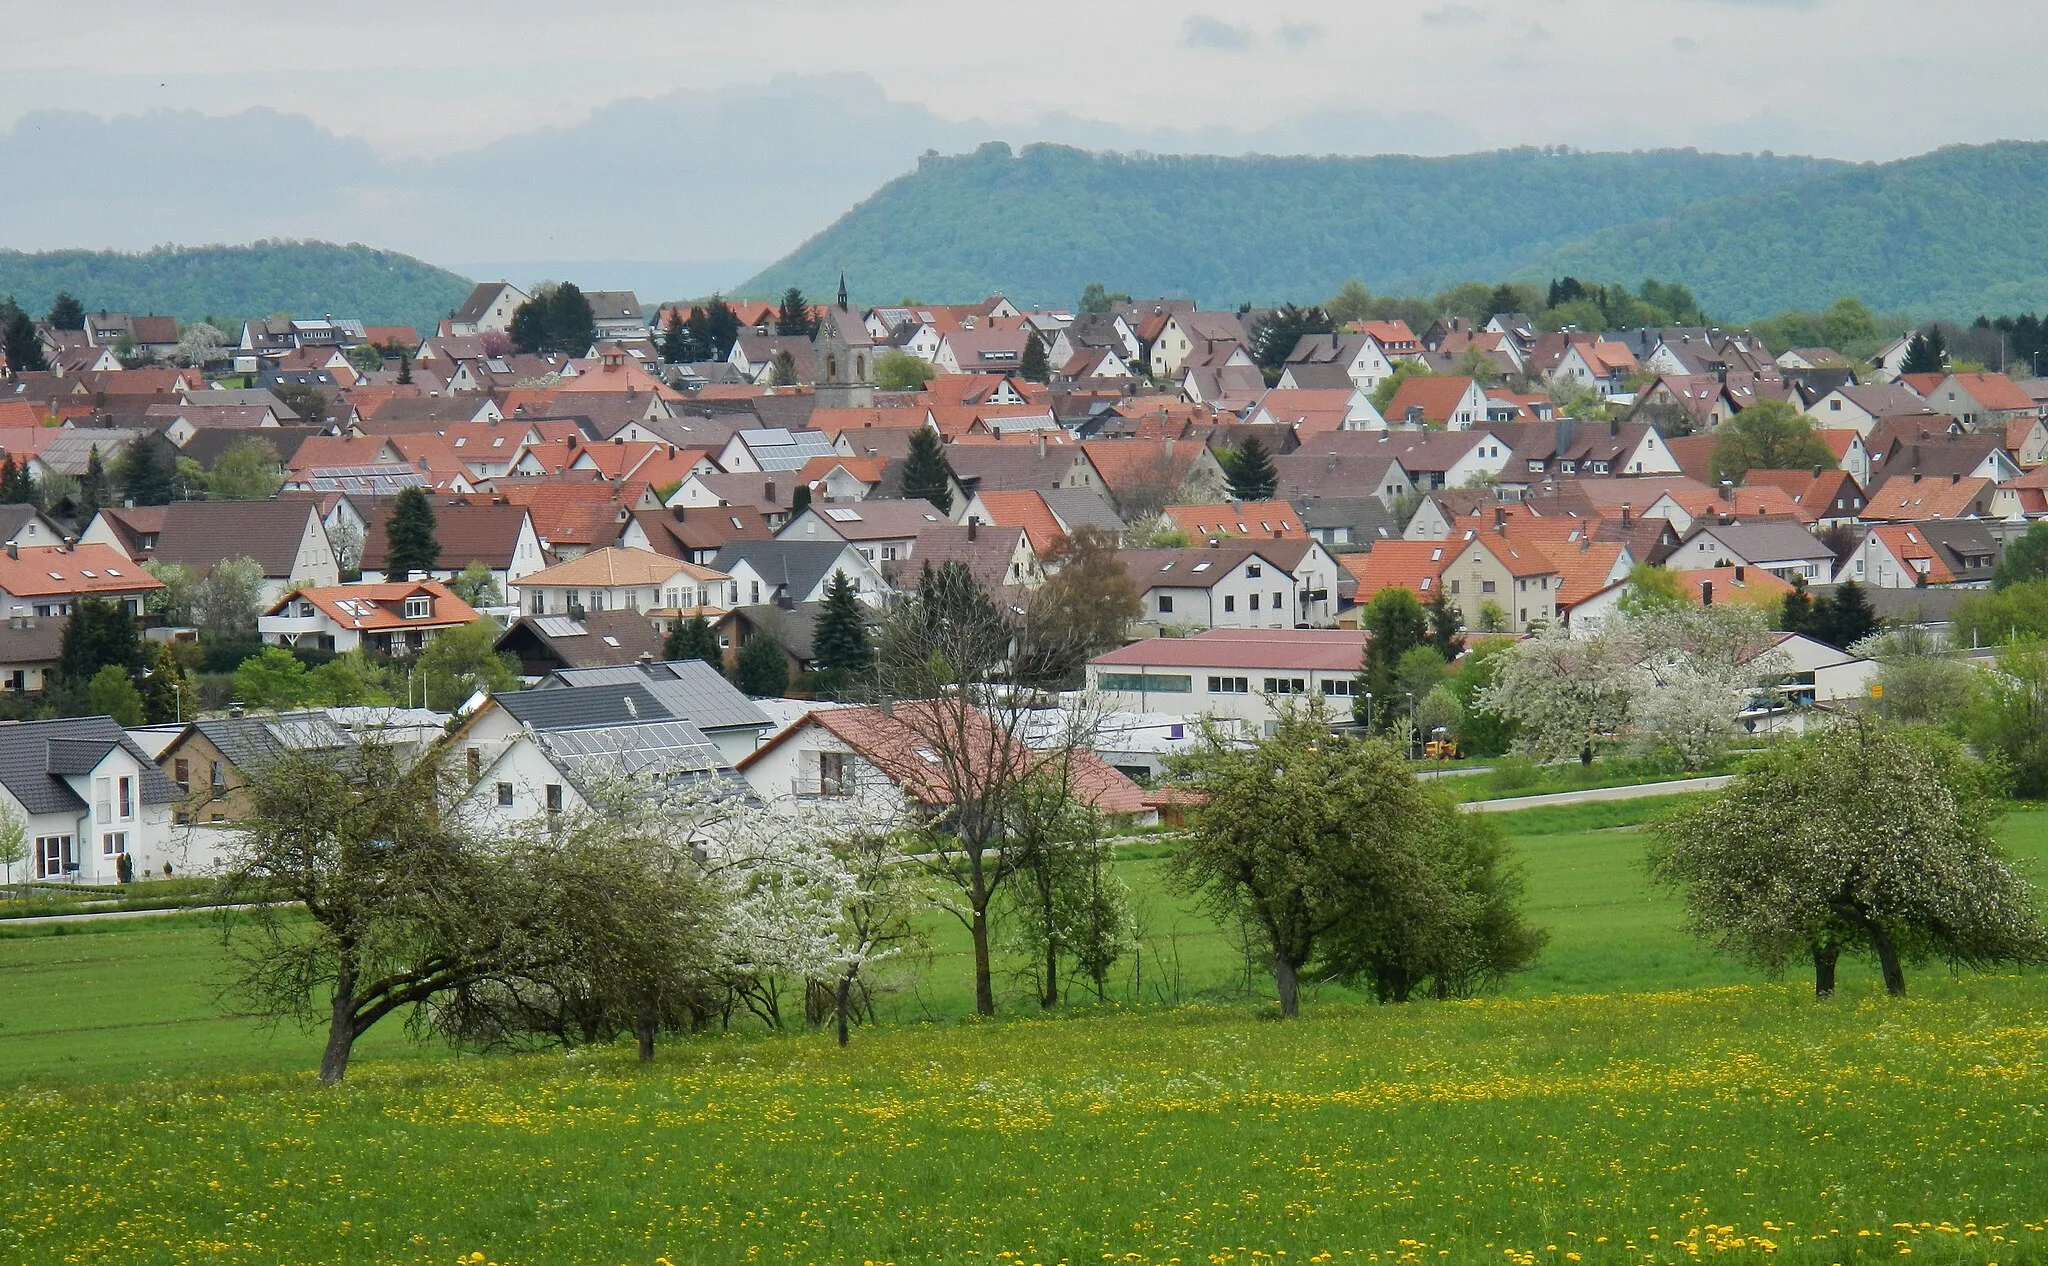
[(1766, 541), (1083, 507), (689, 688), (626, 703), (795, 627), (34, 758), (249, 742), (674, 752), (801, 565)]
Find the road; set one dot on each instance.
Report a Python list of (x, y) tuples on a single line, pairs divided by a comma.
[(90, 915), (1593, 794)]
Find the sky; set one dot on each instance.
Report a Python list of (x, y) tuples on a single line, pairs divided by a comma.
[(388, 87)]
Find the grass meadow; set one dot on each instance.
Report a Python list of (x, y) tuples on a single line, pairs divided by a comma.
[(1632, 1099)]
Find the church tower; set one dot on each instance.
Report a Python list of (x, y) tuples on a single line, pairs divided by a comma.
[(843, 357)]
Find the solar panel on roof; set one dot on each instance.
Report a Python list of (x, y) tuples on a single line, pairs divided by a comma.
[(559, 626), (840, 514)]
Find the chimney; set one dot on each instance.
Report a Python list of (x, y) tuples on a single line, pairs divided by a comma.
[(1738, 574), (973, 529), (768, 493), (1816, 472), (1706, 593), (1613, 427), (676, 512), (1728, 490), (1955, 479), (1624, 514), (1500, 518), (1041, 443), (14, 551)]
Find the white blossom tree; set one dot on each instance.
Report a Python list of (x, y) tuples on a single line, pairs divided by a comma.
[(1565, 692), (1696, 669)]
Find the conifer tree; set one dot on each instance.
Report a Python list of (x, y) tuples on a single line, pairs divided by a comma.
[(693, 639), (144, 478), (404, 370), (841, 641), (93, 491), (926, 473), (793, 318), (66, 313), (1446, 630), (1849, 616), (675, 339), (409, 536), (1035, 367), (1797, 615), (1252, 477), (1927, 353), (799, 499), (762, 669), (19, 342)]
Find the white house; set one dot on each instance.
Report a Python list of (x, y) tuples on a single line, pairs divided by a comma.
[(394, 618), (1779, 547), (618, 579), (1234, 675), (87, 796), (1229, 585), (791, 572), (490, 306), (884, 531)]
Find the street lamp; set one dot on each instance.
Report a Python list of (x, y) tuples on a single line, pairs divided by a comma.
[(1368, 712), (1411, 725)]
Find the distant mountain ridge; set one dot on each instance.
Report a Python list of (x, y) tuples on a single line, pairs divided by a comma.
[(1951, 233), (1041, 223), (235, 283)]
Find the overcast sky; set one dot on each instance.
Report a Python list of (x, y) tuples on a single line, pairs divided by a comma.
[(1844, 78)]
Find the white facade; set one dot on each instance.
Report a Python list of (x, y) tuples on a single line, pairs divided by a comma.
[(86, 846), (1253, 594)]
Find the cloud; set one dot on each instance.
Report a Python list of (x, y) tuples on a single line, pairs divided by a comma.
[(1301, 35), (1202, 31), (1453, 15)]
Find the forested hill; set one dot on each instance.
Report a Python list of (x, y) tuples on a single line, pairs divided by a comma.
[(1954, 233), (238, 282), (1040, 224)]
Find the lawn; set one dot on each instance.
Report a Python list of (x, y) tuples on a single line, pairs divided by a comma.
[(1633, 1098)]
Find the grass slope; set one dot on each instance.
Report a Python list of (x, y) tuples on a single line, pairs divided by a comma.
[(1958, 232), (1040, 224), (234, 283), (1630, 1122)]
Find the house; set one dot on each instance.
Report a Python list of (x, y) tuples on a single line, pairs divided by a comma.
[(1237, 676), (693, 535), (1833, 496), (1451, 401), (88, 797), (788, 573), (1195, 335), (1598, 366), (1959, 553), (768, 495), (1309, 413), (48, 581), (999, 557), (550, 772), (884, 531), (394, 618), (617, 314), (1304, 476), (285, 538), (1857, 408), (619, 579), (2026, 441), (1569, 447), (1359, 358), (490, 306), (1047, 517), (881, 763), (211, 759), (1432, 459), (1518, 577), (1851, 453), (1136, 472), (499, 536), (1745, 585), (1904, 497), (689, 690), (146, 336), (30, 647), (793, 630), (544, 643), (1227, 585), (1980, 399), (1778, 546)]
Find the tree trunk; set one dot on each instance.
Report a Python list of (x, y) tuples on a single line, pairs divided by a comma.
[(643, 1028), (1289, 986), (1887, 959), (984, 987), (842, 997), (1824, 958), (1050, 996), (341, 1031)]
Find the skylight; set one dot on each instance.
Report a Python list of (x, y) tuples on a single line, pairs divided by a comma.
[(1202, 566), (838, 514)]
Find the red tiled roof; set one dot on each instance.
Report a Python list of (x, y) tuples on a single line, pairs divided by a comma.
[(47, 571), (1438, 394), (1411, 565)]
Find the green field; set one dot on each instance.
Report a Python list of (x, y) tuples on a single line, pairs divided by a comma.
[(1631, 1099)]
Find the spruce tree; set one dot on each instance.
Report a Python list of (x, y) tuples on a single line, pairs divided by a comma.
[(404, 370), (793, 318), (143, 477), (762, 669), (1926, 353), (1446, 629), (693, 639), (93, 491), (409, 537), (19, 342), (1850, 617), (1797, 614), (675, 339), (16, 488), (925, 471), (841, 640), (100, 634), (1252, 477), (1035, 367), (721, 328), (799, 499), (66, 313)]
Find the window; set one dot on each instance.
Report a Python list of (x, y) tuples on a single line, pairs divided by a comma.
[(504, 795), (754, 590), (476, 763), (554, 797), (1168, 684), (1254, 571), (835, 774), (181, 773), (540, 602), (1347, 686), (1286, 686), (1276, 600), (1229, 602), (1166, 604), (53, 855), (597, 600), (127, 798), (103, 790), (1454, 586), (219, 773), (1230, 686), (114, 844), (1255, 602)]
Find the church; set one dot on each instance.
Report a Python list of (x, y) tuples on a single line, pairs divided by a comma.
[(843, 357)]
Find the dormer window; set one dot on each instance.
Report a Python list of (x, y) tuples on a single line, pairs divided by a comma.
[(419, 607), (305, 610)]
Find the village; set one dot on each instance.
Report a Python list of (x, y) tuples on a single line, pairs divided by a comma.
[(593, 505)]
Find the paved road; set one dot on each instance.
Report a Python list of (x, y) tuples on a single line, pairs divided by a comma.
[(111, 914), (1598, 793)]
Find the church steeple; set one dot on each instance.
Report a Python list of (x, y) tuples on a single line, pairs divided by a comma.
[(842, 287)]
